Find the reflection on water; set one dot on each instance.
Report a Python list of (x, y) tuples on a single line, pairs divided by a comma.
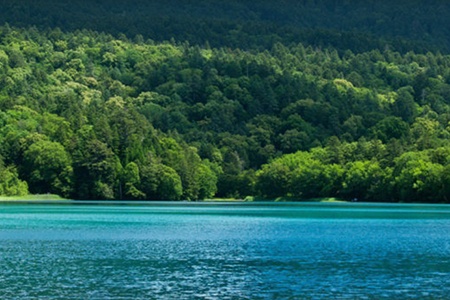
[(250, 251)]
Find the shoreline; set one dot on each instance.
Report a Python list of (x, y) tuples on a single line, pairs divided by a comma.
[(249, 199)]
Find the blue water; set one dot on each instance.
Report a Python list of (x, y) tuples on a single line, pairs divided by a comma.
[(224, 251)]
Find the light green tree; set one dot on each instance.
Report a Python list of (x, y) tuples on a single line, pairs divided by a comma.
[(48, 168)]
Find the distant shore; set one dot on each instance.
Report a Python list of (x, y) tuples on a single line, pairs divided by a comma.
[(53, 197)]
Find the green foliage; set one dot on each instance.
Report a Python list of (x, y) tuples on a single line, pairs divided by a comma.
[(48, 168), (359, 26), (96, 169), (412, 177), (418, 179), (160, 182), (367, 181), (299, 175), (131, 179), (91, 116), (10, 184), (169, 185)]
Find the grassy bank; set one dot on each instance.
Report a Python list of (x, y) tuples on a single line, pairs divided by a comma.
[(223, 200), (43, 197), (290, 199)]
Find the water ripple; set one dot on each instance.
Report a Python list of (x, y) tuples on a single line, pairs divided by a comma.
[(115, 253)]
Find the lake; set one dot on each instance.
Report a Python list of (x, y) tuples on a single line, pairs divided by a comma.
[(224, 251)]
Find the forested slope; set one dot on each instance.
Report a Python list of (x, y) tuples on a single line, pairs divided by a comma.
[(89, 115), (343, 24)]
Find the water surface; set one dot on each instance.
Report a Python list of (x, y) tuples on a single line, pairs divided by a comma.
[(224, 251)]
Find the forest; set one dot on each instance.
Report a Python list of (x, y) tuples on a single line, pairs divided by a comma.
[(206, 102)]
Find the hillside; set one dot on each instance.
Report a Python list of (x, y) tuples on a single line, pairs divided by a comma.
[(343, 24), (294, 112)]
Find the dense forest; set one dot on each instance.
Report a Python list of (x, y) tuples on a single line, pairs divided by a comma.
[(144, 100)]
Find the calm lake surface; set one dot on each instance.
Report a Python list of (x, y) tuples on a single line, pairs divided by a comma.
[(224, 251)]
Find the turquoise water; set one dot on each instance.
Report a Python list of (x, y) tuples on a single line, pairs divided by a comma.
[(224, 251)]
